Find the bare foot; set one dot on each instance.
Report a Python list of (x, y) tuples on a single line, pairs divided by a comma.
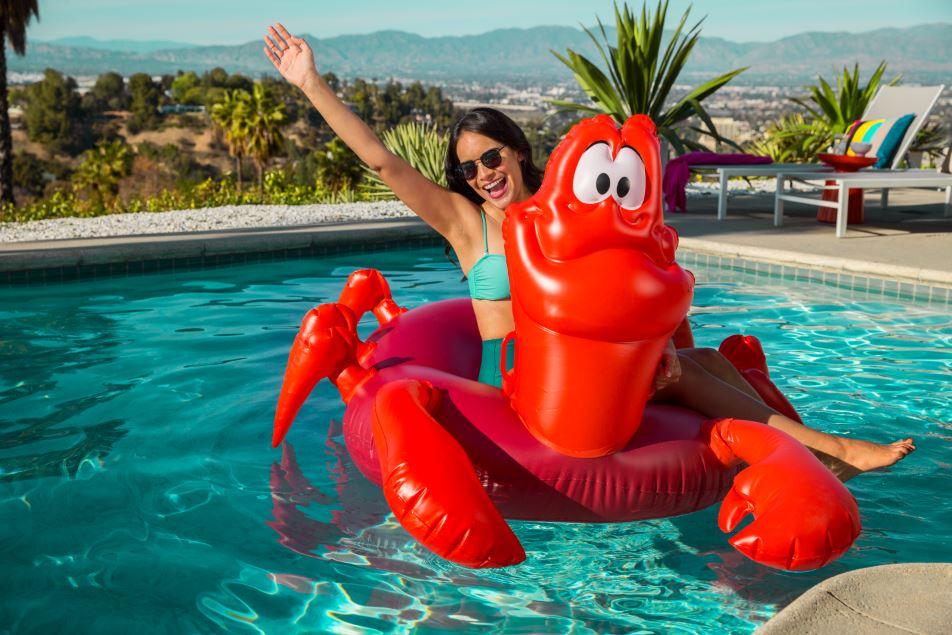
[(866, 455), (862, 456)]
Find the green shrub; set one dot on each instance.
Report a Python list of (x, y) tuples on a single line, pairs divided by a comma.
[(337, 167), (793, 139), (279, 189)]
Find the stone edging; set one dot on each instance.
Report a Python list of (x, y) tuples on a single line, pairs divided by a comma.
[(894, 598), (83, 252), (815, 261), (18, 261)]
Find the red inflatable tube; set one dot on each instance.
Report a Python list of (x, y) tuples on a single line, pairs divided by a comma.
[(596, 296), (441, 433)]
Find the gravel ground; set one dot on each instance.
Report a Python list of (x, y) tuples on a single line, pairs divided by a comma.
[(204, 219), (247, 216)]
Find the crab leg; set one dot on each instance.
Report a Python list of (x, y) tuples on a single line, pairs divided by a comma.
[(804, 517), (325, 346), (367, 290), (430, 484)]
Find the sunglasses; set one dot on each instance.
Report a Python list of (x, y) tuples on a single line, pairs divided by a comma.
[(490, 158)]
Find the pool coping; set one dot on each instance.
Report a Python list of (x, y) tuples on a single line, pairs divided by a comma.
[(69, 259), (66, 259), (893, 598), (78, 252), (816, 261)]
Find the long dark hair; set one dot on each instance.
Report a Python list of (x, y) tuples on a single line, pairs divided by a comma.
[(491, 123)]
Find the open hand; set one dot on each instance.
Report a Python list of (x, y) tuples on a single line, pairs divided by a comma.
[(291, 55)]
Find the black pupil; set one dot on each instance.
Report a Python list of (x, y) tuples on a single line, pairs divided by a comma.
[(602, 183), (624, 185)]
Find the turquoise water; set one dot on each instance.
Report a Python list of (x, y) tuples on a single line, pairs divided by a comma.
[(138, 486)]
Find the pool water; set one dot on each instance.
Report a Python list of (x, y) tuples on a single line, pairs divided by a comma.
[(138, 487)]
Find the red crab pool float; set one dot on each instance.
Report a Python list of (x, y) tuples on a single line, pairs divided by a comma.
[(596, 294)]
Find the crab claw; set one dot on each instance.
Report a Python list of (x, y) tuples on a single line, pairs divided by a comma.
[(325, 346), (367, 290), (804, 517), (430, 484)]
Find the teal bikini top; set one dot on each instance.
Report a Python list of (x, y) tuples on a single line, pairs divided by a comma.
[(489, 277)]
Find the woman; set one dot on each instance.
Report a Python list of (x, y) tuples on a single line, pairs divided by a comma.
[(489, 165)]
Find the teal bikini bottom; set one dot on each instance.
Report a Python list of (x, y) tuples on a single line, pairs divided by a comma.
[(489, 372)]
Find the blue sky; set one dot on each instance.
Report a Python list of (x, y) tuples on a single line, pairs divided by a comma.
[(237, 21)]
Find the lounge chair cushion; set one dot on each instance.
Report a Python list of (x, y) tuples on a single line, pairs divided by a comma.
[(884, 135)]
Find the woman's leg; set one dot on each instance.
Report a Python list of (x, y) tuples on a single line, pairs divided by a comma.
[(700, 390), (711, 360)]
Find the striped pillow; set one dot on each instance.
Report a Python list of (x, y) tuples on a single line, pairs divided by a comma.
[(884, 135)]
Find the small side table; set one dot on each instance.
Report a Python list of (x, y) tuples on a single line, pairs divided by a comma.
[(854, 201)]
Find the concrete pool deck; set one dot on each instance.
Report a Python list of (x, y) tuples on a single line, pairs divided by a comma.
[(895, 598), (909, 242)]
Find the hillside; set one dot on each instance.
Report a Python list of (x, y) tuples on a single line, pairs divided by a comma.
[(922, 54)]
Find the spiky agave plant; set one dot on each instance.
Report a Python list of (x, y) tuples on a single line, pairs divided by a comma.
[(422, 146), (641, 74), (840, 107)]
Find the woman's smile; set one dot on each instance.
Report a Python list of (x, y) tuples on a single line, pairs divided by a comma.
[(498, 188)]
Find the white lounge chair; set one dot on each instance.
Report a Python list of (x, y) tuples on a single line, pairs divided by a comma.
[(889, 102), (846, 181)]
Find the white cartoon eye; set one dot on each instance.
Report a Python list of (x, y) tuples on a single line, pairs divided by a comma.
[(593, 182), (629, 179)]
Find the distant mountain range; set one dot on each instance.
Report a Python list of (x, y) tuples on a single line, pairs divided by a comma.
[(921, 53), (128, 46)]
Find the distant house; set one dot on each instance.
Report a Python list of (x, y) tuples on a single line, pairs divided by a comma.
[(174, 109), (16, 117)]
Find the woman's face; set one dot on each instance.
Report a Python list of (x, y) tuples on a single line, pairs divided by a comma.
[(500, 185)]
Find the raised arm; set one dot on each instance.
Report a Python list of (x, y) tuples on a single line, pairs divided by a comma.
[(436, 205)]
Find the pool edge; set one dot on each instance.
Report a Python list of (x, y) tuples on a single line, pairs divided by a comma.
[(82, 258), (909, 597)]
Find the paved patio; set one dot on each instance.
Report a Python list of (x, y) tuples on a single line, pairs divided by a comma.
[(912, 234)]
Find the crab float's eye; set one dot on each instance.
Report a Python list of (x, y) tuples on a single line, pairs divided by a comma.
[(593, 174), (630, 179)]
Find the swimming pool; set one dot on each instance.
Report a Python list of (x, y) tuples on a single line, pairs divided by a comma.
[(138, 486)]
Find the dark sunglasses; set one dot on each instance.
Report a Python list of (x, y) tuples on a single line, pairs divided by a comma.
[(490, 158)]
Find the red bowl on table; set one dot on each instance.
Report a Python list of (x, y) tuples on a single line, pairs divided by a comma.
[(845, 162)]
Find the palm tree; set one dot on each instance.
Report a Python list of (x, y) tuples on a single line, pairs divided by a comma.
[(101, 170), (641, 75), (229, 115), (15, 15), (263, 122)]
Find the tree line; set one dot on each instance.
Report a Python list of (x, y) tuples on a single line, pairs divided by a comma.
[(85, 136)]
